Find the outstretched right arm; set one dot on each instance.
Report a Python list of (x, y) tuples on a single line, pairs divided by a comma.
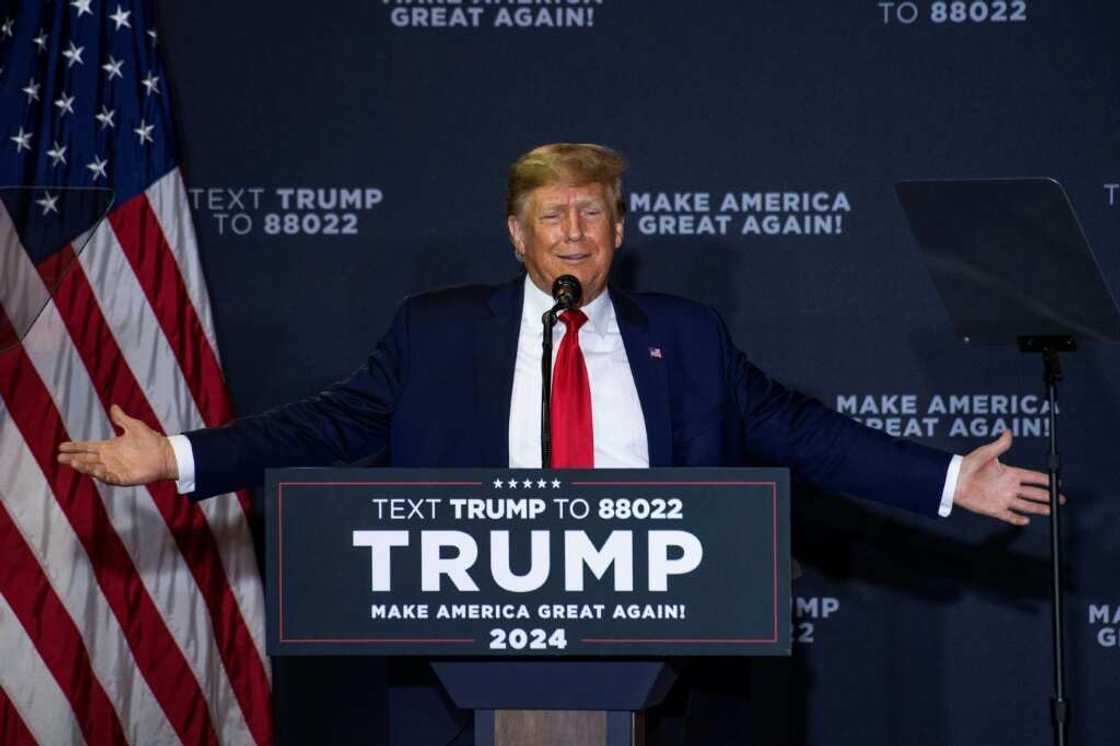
[(347, 422)]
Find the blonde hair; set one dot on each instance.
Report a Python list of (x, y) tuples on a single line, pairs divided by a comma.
[(566, 163)]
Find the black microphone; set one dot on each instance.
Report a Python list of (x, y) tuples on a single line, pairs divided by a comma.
[(567, 291)]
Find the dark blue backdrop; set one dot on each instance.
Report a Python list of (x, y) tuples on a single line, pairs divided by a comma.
[(911, 631)]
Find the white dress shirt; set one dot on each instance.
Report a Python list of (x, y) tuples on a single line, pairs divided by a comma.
[(618, 426)]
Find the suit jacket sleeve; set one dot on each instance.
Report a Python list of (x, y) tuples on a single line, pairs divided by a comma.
[(829, 450), (347, 422)]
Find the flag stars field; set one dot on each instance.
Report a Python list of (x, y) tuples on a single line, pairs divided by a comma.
[(65, 105), (57, 154), (22, 140), (113, 68), (151, 83), (105, 117), (48, 202), (144, 132), (73, 54), (97, 166), (120, 18), (32, 90)]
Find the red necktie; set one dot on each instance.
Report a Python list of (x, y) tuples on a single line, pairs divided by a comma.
[(573, 444)]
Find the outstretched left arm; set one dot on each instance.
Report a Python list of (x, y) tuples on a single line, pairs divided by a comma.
[(991, 488)]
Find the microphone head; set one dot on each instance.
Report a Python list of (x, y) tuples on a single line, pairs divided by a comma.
[(567, 291)]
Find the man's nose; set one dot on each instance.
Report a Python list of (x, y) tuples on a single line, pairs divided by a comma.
[(574, 226)]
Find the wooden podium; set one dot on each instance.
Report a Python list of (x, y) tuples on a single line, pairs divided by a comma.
[(552, 603)]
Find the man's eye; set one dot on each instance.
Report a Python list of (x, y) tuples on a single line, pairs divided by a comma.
[(550, 216)]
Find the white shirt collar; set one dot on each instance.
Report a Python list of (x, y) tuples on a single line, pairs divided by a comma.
[(599, 311)]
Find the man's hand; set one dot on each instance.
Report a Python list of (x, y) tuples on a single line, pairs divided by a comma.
[(139, 455), (988, 487)]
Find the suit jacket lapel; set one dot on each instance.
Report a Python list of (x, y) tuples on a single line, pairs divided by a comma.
[(650, 370), (495, 355)]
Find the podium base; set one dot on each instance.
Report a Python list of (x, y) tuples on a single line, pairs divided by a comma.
[(558, 728)]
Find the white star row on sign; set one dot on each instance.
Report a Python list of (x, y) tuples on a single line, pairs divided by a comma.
[(106, 117), (48, 203), (73, 54), (527, 483), (22, 140), (144, 132), (113, 67), (82, 6), (32, 91), (41, 40), (98, 168), (57, 154), (121, 18)]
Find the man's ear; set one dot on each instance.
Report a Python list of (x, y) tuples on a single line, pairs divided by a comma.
[(516, 234), (618, 233)]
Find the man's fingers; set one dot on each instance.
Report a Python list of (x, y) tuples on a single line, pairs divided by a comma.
[(77, 458), (1036, 483), (1013, 518), (997, 447), (1026, 476), (86, 463), (1026, 506), (81, 446), (120, 419), (1034, 493), (85, 459)]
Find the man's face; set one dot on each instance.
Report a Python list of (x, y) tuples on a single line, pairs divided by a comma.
[(567, 230)]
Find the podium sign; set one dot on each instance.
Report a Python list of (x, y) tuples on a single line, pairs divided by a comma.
[(486, 562)]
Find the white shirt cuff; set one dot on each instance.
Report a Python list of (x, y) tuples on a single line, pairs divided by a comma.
[(184, 459), (947, 492)]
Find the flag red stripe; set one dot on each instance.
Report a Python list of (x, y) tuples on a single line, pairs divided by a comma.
[(13, 731), (98, 349), (55, 636), (55, 266), (141, 238), (154, 649), (8, 335), (139, 233)]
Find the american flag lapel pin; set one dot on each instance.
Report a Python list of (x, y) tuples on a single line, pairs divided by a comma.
[(655, 353)]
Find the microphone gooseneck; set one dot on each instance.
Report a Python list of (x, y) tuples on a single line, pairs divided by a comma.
[(567, 292)]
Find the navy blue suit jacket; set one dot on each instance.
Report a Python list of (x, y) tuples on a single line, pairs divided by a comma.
[(436, 393)]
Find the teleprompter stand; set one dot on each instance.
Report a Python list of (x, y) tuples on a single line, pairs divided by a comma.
[(1012, 266)]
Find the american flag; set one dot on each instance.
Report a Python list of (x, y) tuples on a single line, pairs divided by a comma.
[(127, 615)]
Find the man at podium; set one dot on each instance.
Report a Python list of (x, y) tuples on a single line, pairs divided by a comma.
[(639, 380)]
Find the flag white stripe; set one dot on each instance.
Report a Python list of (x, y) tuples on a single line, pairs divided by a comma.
[(134, 516), (134, 326), (168, 199), (31, 688), (24, 300), (59, 551), (149, 355)]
